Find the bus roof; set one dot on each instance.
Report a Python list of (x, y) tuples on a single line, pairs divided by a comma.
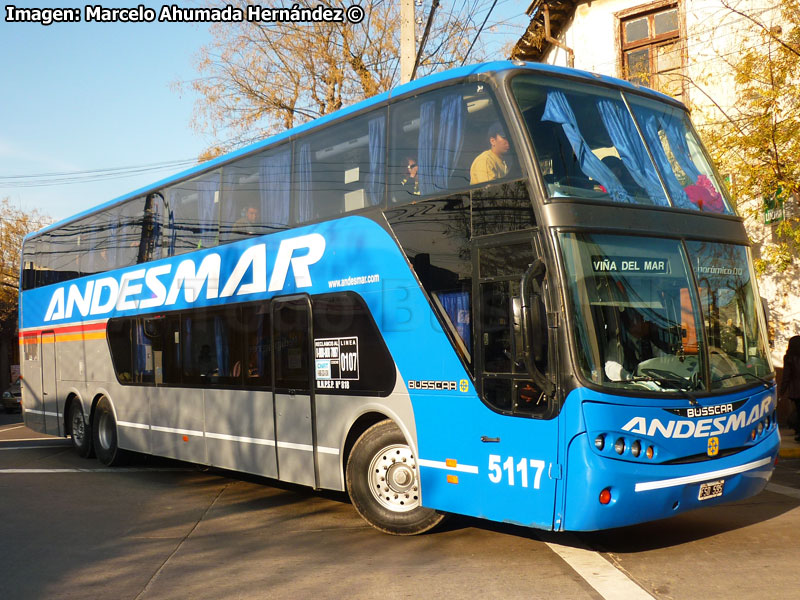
[(407, 88)]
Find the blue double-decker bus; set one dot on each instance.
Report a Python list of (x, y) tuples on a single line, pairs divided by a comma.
[(511, 291)]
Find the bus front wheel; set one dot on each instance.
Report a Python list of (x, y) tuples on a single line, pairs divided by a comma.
[(383, 482), (104, 429)]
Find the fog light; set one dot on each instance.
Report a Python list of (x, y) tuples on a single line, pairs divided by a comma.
[(600, 441), (619, 446), (605, 496), (650, 452), (636, 448)]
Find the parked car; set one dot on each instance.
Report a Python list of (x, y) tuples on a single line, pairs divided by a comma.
[(12, 398)]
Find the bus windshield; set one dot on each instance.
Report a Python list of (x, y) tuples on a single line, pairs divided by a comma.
[(602, 144), (641, 323)]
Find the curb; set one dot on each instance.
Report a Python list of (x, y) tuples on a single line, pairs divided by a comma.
[(792, 452)]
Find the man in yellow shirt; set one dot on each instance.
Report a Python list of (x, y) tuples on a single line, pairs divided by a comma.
[(489, 165)]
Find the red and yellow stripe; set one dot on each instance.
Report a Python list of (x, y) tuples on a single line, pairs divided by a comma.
[(67, 333)]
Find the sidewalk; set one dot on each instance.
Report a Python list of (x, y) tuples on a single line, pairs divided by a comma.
[(789, 448)]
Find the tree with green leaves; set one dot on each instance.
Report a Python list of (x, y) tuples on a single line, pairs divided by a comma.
[(757, 139), (15, 224)]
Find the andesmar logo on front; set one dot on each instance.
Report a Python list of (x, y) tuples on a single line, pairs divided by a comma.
[(159, 285), (701, 428)]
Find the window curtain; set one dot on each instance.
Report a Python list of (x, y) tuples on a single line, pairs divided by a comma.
[(206, 209), (91, 245), (142, 343), (221, 341), (377, 159), (622, 129), (451, 140), (456, 305), (304, 207), (425, 149), (113, 241), (157, 218), (228, 216), (558, 110), (172, 199), (274, 175), (676, 136), (650, 126), (188, 359)]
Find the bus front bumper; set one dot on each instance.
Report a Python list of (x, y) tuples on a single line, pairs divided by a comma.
[(642, 492)]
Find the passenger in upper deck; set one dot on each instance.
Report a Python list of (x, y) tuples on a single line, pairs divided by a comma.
[(490, 164), (248, 222), (410, 182)]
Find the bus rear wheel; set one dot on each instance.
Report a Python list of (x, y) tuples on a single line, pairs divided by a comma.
[(80, 430), (104, 430), (383, 482)]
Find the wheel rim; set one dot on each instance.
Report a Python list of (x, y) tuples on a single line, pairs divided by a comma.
[(393, 478), (78, 430), (105, 431)]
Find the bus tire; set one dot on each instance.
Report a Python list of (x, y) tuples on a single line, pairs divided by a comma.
[(383, 482), (104, 433), (80, 430)]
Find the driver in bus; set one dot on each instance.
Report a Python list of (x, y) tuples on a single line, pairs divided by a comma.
[(490, 164), (631, 347)]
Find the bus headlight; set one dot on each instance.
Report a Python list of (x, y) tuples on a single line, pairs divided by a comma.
[(600, 441), (619, 446), (636, 448)]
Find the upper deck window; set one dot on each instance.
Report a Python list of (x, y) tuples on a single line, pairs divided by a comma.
[(589, 146), (448, 140)]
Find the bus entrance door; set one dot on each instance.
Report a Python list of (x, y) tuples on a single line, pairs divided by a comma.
[(293, 391), (49, 405)]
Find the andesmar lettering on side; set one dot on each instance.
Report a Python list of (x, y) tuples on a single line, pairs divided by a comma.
[(147, 287)]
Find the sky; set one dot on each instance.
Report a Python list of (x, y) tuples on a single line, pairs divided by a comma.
[(77, 98)]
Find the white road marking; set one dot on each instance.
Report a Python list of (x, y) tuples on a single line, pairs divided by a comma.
[(783, 489), (31, 439), (61, 445), (15, 427), (99, 470), (598, 572)]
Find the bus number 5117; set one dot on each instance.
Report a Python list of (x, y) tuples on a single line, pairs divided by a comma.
[(497, 467)]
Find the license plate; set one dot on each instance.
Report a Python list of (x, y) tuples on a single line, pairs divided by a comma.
[(712, 489)]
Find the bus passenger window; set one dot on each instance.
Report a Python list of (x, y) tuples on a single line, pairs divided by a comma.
[(256, 195), (257, 364), (340, 169), (441, 133)]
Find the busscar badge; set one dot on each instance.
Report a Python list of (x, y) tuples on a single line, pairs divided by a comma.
[(713, 446)]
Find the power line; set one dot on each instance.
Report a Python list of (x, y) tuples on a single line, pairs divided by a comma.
[(475, 39), (424, 39), (87, 176)]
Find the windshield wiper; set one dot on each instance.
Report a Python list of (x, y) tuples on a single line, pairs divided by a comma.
[(767, 383), (681, 385)]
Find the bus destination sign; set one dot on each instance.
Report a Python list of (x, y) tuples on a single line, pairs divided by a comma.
[(626, 264)]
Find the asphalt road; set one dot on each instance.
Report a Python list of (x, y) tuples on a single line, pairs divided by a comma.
[(70, 528)]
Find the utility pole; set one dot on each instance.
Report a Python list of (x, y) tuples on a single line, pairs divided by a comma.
[(408, 48)]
